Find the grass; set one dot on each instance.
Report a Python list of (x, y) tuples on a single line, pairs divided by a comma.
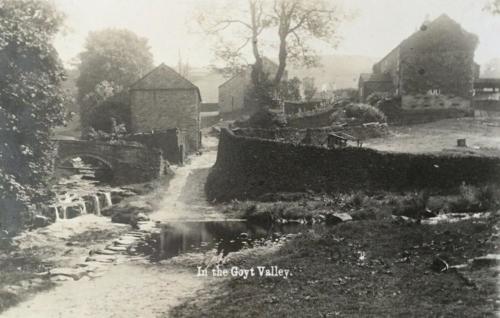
[(20, 268), (307, 207), (370, 268), (436, 136)]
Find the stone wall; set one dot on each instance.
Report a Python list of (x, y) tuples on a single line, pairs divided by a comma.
[(167, 109), (317, 119), (170, 142), (129, 163), (291, 108), (426, 101), (313, 136), (249, 167)]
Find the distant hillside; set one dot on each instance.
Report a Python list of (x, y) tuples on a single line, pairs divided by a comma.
[(342, 71)]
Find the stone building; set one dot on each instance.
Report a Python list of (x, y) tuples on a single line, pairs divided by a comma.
[(232, 92), (432, 69), (162, 100)]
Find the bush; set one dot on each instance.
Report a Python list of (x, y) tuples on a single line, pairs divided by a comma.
[(376, 97), (476, 199), (389, 106), (358, 112), (265, 119)]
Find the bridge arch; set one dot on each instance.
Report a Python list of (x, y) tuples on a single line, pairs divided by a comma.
[(86, 155)]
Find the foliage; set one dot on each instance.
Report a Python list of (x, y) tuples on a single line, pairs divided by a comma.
[(476, 199), (31, 101), (359, 112), (298, 23), (376, 97), (247, 21), (493, 6), (113, 59), (259, 96), (264, 119), (348, 93), (111, 112), (295, 23), (290, 89), (309, 88), (390, 105)]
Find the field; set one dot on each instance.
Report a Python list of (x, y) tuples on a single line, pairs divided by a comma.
[(364, 269), (436, 136)]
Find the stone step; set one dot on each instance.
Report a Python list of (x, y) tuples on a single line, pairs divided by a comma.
[(115, 249)]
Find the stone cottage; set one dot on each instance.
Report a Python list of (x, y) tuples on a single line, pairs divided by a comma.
[(232, 92), (162, 100), (432, 69)]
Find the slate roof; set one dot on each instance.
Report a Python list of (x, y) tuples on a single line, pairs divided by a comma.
[(163, 77)]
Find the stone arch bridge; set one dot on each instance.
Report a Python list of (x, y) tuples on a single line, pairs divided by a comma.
[(129, 162)]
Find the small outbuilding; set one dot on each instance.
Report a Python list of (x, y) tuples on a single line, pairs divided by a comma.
[(163, 100)]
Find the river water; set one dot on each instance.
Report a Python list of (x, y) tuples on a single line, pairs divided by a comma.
[(190, 224)]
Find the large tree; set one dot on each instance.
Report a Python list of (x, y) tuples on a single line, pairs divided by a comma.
[(236, 26), (493, 6), (291, 24), (31, 104), (299, 22), (113, 59)]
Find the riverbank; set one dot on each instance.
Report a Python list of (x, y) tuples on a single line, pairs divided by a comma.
[(326, 208), (25, 260), (365, 268), (125, 284)]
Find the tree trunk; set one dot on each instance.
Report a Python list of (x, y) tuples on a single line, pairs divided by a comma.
[(282, 61), (258, 68), (283, 53)]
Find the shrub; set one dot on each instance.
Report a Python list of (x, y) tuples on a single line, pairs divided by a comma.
[(390, 106), (476, 199), (376, 97), (265, 119), (358, 112)]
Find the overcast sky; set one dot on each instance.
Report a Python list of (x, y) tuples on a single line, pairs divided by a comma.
[(379, 26)]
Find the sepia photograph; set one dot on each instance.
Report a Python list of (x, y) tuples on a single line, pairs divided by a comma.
[(249, 158)]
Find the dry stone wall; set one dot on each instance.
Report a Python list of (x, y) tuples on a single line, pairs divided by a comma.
[(249, 167)]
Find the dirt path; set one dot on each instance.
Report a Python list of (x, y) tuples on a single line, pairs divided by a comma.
[(125, 291), (135, 289)]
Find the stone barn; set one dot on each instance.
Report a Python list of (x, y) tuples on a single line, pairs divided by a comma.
[(162, 100), (433, 69)]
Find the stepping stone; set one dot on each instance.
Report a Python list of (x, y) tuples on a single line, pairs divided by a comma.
[(115, 249), (74, 273), (61, 278), (335, 218), (106, 251), (125, 242), (101, 258)]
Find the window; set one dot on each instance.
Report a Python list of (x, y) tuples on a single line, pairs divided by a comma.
[(434, 91)]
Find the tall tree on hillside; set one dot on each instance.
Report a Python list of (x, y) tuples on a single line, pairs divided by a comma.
[(31, 104), (113, 59)]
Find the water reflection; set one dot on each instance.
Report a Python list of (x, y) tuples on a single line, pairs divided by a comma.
[(224, 236)]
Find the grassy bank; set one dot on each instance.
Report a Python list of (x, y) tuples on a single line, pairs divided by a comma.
[(308, 207), (370, 268)]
